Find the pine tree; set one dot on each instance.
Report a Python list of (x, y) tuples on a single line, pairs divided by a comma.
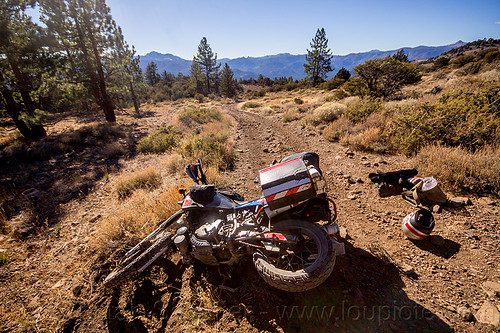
[(401, 56), (21, 50), (152, 77), (86, 32), (227, 83), (196, 76), (209, 67), (318, 58), (128, 73)]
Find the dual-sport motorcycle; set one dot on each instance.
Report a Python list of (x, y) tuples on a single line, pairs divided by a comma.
[(290, 251)]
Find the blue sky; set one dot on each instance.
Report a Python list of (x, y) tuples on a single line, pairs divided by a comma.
[(262, 27)]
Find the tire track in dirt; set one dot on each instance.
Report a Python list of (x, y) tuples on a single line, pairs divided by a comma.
[(260, 139)]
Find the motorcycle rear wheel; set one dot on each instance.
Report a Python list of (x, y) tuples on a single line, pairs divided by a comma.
[(130, 266), (302, 268)]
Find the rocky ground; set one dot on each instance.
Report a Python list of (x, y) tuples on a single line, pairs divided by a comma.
[(384, 283)]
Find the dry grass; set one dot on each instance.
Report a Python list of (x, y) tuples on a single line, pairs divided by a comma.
[(325, 113), (113, 149), (370, 139), (143, 179), (461, 170), (337, 129), (291, 116), (3, 220), (251, 105), (137, 217), (175, 163)]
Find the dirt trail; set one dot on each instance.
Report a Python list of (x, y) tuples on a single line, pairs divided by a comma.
[(382, 269), (384, 282)]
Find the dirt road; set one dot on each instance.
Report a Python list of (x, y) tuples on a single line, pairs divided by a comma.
[(438, 279)]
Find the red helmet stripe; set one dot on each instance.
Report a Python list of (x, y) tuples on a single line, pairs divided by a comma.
[(415, 232)]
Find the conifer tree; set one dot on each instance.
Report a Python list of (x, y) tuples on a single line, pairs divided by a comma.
[(318, 58), (196, 76), (401, 56), (207, 61), (152, 77), (227, 83), (21, 51), (86, 32)]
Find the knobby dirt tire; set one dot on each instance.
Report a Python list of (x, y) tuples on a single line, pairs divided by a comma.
[(303, 279), (132, 265)]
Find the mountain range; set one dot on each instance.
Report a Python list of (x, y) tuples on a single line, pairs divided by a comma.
[(285, 64)]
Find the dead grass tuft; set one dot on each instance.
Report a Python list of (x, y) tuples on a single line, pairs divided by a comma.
[(325, 113), (4, 222), (145, 179), (460, 169), (291, 116), (175, 163), (136, 217), (370, 139), (337, 129)]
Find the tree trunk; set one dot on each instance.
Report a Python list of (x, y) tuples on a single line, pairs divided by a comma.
[(88, 63), (108, 107), (134, 98), (13, 110)]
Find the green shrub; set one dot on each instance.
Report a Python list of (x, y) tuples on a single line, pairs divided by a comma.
[(251, 105), (4, 258), (199, 97), (160, 141), (193, 115), (360, 109), (213, 148), (492, 55), (470, 119), (256, 94), (440, 63), (463, 60)]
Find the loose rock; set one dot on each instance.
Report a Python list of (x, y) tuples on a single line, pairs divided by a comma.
[(488, 314), (487, 201), (491, 288), (465, 313), (436, 209), (459, 202)]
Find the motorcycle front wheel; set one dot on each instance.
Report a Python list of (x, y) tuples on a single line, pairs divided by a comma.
[(300, 266), (139, 261)]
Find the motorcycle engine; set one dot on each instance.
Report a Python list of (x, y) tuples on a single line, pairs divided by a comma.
[(205, 239)]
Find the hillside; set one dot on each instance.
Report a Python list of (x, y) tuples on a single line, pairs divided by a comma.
[(286, 64)]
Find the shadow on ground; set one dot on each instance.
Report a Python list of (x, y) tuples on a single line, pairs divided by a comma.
[(362, 294), (37, 177)]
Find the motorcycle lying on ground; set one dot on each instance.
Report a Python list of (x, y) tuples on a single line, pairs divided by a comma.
[(290, 250)]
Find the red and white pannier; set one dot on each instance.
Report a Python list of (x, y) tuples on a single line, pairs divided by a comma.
[(291, 182)]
